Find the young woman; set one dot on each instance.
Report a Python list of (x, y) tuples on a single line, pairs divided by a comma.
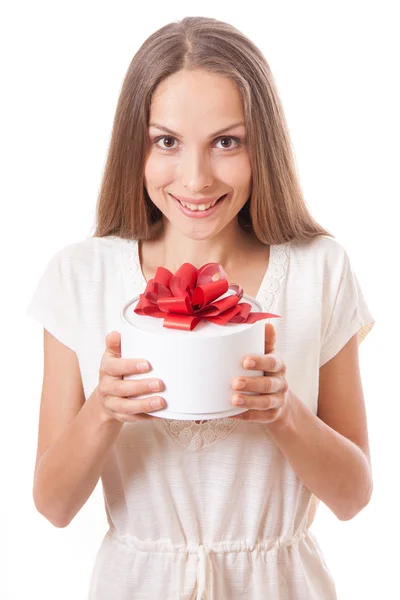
[(200, 169)]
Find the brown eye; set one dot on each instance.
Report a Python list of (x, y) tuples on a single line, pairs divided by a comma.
[(168, 142), (163, 139), (229, 139), (225, 140)]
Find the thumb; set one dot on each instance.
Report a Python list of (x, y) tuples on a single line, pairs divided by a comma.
[(270, 338), (113, 343)]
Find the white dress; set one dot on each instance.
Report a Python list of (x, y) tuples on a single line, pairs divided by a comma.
[(209, 511)]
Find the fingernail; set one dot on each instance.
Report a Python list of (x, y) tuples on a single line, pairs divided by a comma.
[(142, 366), (240, 384), (238, 400), (154, 385), (249, 362), (157, 403)]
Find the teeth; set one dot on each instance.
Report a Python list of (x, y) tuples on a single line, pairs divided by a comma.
[(200, 206)]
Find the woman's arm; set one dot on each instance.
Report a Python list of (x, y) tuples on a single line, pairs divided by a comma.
[(74, 437), (330, 452), (70, 469)]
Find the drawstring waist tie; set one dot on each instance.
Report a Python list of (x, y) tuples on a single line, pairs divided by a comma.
[(204, 577)]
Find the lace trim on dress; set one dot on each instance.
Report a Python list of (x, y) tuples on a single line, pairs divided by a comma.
[(131, 270), (195, 435), (279, 257)]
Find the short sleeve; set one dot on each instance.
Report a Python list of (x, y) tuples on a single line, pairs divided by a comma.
[(55, 301), (347, 312)]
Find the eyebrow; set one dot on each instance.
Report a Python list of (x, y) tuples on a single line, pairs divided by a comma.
[(163, 128)]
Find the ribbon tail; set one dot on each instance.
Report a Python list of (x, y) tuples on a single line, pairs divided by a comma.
[(258, 316), (181, 322)]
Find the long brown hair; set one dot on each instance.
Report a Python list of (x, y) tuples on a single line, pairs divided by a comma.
[(276, 210)]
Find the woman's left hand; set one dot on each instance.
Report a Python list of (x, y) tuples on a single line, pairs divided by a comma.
[(273, 401)]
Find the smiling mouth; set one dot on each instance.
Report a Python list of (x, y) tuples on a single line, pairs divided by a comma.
[(199, 207)]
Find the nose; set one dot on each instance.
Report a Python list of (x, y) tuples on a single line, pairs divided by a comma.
[(195, 171)]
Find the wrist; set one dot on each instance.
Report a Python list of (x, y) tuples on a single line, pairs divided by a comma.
[(101, 415), (286, 419)]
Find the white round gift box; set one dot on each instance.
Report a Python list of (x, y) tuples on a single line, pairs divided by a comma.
[(197, 367)]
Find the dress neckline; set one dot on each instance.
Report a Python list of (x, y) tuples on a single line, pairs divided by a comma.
[(267, 294), (264, 279)]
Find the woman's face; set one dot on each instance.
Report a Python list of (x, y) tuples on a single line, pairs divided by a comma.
[(191, 160)]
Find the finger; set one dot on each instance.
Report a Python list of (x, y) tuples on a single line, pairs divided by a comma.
[(261, 385), (258, 416), (270, 338), (113, 343), (268, 363), (128, 388), (258, 402), (128, 408), (117, 367)]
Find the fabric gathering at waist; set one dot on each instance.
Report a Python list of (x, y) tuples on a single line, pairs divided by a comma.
[(204, 577), (222, 546)]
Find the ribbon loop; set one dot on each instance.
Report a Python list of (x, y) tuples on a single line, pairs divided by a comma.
[(190, 295)]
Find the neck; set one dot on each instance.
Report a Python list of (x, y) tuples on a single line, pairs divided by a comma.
[(226, 248)]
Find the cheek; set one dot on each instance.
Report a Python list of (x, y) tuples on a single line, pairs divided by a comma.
[(236, 171), (157, 171)]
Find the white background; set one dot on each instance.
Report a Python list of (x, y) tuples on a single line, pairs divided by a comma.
[(337, 72)]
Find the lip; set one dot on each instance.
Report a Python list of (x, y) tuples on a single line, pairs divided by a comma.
[(196, 200), (198, 214)]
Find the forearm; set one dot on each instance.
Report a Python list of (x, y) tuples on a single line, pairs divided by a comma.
[(330, 465), (70, 469)]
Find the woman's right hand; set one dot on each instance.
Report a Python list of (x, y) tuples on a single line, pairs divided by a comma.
[(114, 391)]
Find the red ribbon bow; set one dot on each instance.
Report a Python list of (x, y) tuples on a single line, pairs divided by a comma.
[(187, 297)]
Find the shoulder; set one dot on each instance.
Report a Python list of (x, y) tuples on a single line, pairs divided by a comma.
[(87, 259), (321, 251), (90, 247), (319, 245)]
